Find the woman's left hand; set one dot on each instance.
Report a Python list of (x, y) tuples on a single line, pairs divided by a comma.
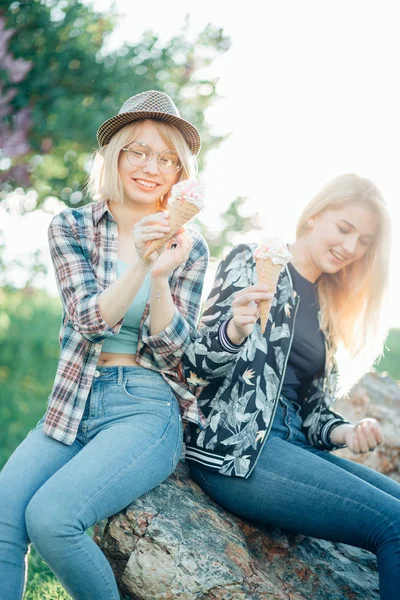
[(150, 228), (177, 251), (362, 437)]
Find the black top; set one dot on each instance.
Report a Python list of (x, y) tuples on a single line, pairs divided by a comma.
[(307, 354)]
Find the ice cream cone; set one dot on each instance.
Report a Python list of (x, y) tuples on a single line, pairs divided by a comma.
[(271, 257), (185, 203), (267, 274), (179, 215)]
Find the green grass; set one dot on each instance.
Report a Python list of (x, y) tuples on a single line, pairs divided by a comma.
[(42, 585), (391, 360)]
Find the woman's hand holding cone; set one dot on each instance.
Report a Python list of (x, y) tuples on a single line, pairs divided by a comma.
[(177, 251), (151, 227), (185, 201), (245, 312), (155, 227)]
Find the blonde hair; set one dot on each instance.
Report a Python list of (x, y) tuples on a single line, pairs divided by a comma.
[(352, 300), (104, 182)]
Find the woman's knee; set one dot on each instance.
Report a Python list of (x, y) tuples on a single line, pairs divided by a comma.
[(45, 519)]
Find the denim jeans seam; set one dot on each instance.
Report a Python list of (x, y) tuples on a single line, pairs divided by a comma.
[(78, 542), (25, 580), (286, 424), (141, 398), (111, 482), (365, 507), (205, 481), (101, 405), (99, 412), (178, 447)]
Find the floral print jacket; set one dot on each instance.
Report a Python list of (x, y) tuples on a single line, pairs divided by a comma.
[(238, 387)]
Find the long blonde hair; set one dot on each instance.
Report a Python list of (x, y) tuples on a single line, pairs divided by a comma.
[(104, 182), (352, 300)]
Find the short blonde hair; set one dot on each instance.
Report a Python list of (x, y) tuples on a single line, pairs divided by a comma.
[(104, 182), (352, 300)]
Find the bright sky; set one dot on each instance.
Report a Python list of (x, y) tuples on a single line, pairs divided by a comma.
[(309, 91)]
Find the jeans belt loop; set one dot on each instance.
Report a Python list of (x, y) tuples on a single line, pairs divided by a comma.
[(120, 375)]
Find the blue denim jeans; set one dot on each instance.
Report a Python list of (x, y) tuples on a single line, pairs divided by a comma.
[(129, 441), (301, 489)]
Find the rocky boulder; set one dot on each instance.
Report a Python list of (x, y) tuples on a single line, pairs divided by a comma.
[(176, 543), (376, 396)]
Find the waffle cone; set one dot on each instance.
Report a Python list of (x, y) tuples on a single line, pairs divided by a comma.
[(267, 274), (179, 215)]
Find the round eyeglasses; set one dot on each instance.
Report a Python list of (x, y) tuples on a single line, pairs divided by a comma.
[(139, 154)]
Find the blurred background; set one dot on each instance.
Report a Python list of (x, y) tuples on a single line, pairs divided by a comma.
[(284, 100)]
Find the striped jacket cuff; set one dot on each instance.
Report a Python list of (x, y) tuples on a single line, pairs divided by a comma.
[(225, 342), (326, 434)]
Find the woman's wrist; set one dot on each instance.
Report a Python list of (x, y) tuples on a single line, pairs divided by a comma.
[(158, 281), (142, 265), (160, 289), (338, 433), (232, 334)]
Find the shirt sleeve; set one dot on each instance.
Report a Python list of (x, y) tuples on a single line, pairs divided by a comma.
[(169, 345), (210, 355), (319, 420), (77, 285)]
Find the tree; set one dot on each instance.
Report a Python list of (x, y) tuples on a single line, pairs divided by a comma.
[(13, 130), (233, 221), (391, 359), (75, 84)]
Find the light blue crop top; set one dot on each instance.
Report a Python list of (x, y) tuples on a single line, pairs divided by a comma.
[(125, 342)]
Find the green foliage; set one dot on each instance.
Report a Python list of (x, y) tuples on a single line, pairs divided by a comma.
[(75, 84), (391, 360), (233, 221), (29, 324), (42, 585), (14, 125)]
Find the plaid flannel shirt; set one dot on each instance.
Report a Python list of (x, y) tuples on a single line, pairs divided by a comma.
[(84, 250)]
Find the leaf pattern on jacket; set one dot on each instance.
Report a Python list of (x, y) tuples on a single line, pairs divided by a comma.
[(254, 343), (246, 437), (239, 408), (277, 333), (236, 465), (280, 359), (272, 381), (285, 295)]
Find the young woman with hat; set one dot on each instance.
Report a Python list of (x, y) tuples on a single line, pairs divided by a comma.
[(264, 452), (112, 430)]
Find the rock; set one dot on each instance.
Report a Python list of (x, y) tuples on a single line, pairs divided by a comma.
[(175, 543), (376, 396)]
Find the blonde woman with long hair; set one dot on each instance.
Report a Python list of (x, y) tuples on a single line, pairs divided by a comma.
[(112, 430), (267, 398)]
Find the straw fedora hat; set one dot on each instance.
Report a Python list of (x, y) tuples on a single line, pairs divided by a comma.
[(150, 105)]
